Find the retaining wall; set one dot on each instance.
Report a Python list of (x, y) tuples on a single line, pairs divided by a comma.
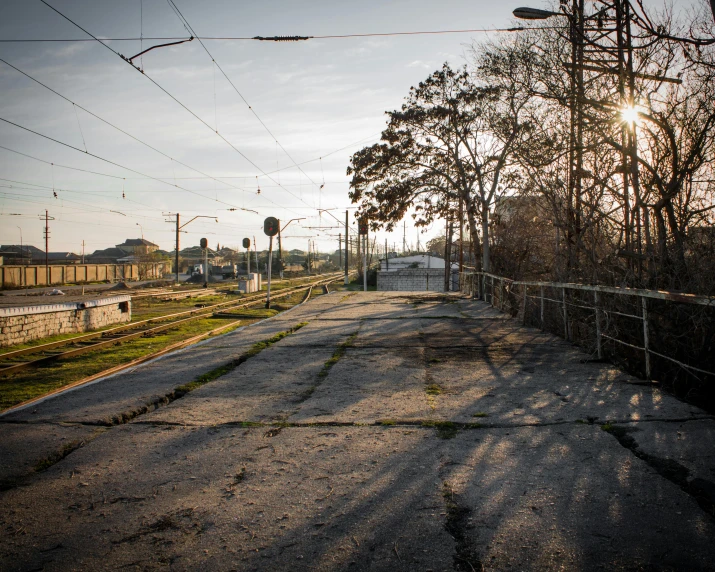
[(37, 275), (23, 324), (413, 279)]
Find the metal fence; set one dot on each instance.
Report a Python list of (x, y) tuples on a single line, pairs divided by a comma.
[(666, 336)]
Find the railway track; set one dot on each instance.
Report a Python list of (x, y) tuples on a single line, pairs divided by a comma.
[(15, 361)]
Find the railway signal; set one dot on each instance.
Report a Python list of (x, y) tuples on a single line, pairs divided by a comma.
[(247, 246), (271, 226)]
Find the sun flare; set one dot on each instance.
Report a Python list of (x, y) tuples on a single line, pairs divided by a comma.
[(629, 115)]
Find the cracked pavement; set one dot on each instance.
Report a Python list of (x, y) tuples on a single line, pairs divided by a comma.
[(394, 431)]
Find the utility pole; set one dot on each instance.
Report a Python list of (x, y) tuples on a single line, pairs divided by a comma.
[(270, 262), (280, 250), (46, 231), (22, 270), (387, 261), (178, 229), (82, 251), (347, 245), (364, 264), (308, 261), (255, 251), (177, 247), (340, 249), (404, 237)]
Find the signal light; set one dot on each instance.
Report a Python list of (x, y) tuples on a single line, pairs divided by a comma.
[(362, 226), (204, 243), (270, 226), (246, 243)]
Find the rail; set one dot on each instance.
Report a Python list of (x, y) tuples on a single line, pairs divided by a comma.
[(128, 332), (599, 318)]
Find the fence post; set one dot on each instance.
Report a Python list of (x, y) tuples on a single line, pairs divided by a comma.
[(566, 314), (598, 324), (644, 305), (541, 291), (501, 294), (523, 318), (492, 294)]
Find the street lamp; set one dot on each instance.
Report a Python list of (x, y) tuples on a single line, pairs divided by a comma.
[(534, 14), (576, 96), (142, 229)]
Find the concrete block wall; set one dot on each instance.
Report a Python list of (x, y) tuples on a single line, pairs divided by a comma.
[(28, 276), (413, 279), (24, 324)]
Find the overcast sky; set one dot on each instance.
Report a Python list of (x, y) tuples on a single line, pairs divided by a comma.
[(315, 97)]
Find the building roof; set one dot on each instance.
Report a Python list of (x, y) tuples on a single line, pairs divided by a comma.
[(107, 253), (63, 256), (27, 249), (137, 242)]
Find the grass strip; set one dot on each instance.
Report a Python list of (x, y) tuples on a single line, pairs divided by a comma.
[(222, 370), (327, 366)]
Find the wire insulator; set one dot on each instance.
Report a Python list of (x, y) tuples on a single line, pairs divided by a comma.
[(282, 38)]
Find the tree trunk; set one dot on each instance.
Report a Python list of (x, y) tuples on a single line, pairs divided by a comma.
[(486, 266), (471, 217)]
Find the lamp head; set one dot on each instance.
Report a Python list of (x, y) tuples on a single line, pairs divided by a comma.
[(525, 13)]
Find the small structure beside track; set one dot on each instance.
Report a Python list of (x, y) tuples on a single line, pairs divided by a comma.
[(20, 324)]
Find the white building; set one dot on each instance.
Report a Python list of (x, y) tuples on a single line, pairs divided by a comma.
[(414, 261)]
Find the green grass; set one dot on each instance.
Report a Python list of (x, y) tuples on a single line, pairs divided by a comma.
[(480, 414), (44, 379), (54, 375)]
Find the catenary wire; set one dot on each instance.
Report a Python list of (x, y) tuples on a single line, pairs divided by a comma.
[(171, 96), (191, 30), (116, 164), (323, 37)]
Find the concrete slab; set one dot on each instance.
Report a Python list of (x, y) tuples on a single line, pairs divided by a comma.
[(234, 499), (268, 387), (538, 486), (24, 448), (570, 498), (368, 385)]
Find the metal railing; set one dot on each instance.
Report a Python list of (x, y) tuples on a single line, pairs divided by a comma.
[(641, 329)]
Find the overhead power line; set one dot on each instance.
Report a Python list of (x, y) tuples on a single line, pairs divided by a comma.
[(116, 164), (113, 126), (293, 38), (240, 153), (191, 30)]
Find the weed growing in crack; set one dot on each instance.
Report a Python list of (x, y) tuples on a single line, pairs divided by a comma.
[(434, 389), (328, 365), (445, 429), (222, 370), (56, 457), (480, 414), (458, 524)]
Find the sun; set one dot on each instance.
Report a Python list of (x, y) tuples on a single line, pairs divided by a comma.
[(629, 114)]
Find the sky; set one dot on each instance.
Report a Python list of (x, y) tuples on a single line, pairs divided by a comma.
[(313, 103)]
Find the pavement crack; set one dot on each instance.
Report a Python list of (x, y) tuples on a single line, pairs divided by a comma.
[(458, 524), (328, 365), (701, 490)]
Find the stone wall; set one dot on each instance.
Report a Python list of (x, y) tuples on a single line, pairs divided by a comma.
[(23, 324), (413, 279)]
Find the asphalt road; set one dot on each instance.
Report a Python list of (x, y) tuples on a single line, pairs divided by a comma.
[(393, 431)]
